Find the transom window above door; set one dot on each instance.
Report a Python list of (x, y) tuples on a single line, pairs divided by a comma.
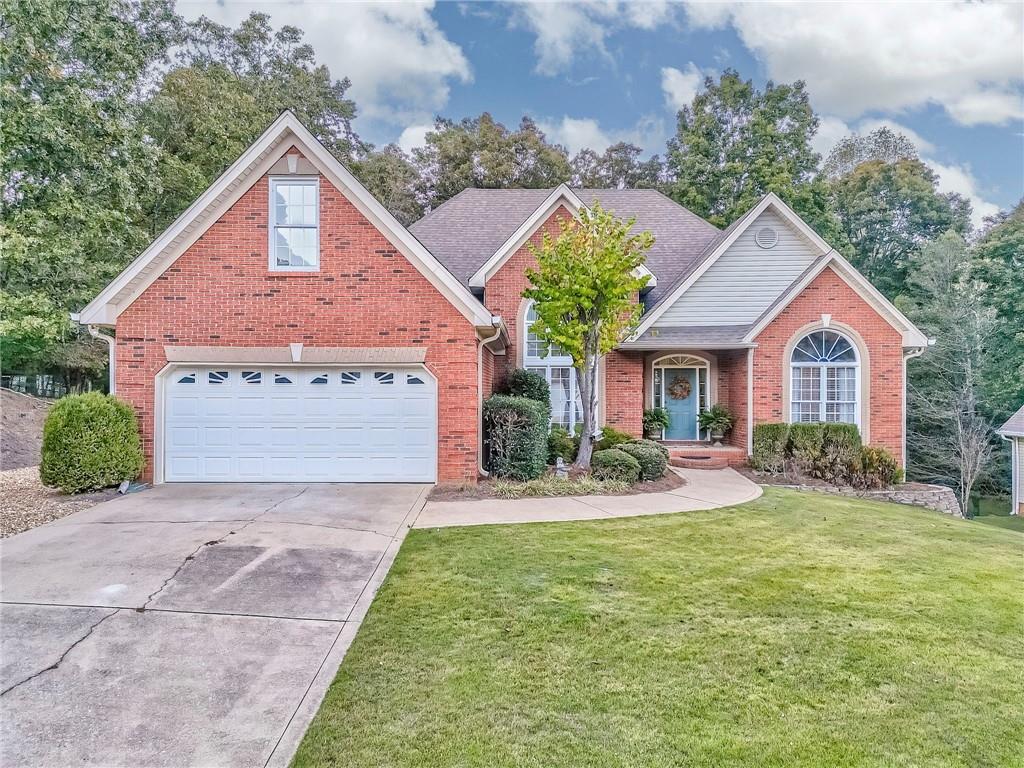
[(825, 379), (556, 367), (294, 224)]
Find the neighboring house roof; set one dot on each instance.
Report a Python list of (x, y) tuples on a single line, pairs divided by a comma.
[(285, 132), (1014, 426), (466, 232)]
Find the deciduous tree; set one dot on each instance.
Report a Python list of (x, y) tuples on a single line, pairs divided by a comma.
[(585, 292)]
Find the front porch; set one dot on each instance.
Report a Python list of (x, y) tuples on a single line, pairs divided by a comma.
[(704, 454)]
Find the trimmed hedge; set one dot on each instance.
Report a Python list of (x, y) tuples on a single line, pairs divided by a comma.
[(656, 445), (561, 443), (614, 464), (877, 468), (652, 461), (90, 441), (524, 383), (770, 443), (611, 438), (840, 453), (805, 444), (517, 433)]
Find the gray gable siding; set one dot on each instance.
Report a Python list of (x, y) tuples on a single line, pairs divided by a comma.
[(745, 280)]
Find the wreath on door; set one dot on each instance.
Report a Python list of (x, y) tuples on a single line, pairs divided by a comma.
[(679, 389)]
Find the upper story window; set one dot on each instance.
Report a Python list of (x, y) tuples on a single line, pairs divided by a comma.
[(294, 224), (824, 384)]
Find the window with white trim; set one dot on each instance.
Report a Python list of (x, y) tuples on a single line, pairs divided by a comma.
[(294, 224), (824, 379), (556, 367)]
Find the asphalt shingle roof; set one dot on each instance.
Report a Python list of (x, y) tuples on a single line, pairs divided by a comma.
[(466, 231)]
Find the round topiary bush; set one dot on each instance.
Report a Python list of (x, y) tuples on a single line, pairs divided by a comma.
[(657, 446), (652, 461), (615, 464), (90, 441), (524, 383)]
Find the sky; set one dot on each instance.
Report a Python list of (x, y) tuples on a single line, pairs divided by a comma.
[(948, 75)]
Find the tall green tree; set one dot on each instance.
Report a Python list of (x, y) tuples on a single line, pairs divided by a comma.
[(227, 86), (481, 152), (888, 211), (585, 293), (618, 167), (735, 143), (75, 162), (391, 177), (950, 433), (882, 145)]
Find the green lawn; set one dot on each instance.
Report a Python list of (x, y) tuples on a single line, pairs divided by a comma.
[(800, 629)]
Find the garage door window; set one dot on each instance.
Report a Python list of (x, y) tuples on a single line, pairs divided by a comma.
[(217, 377), (280, 378), (350, 377), (321, 379), (252, 377)]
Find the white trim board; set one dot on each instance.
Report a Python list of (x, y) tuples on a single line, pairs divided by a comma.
[(286, 132)]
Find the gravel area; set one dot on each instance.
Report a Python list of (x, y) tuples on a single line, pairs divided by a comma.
[(25, 502)]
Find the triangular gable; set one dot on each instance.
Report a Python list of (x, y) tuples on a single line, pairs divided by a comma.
[(562, 195), (285, 132), (769, 202)]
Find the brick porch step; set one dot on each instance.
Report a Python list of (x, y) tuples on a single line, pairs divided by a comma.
[(704, 456)]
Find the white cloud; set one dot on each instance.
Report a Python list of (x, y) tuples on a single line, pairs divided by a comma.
[(399, 61), (681, 86), (566, 30), (414, 136), (831, 130), (896, 56), (576, 133), (958, 178)]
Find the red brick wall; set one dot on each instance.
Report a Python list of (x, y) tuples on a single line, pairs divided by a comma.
[(503, 293), (222, 293), (829, 294), (732, 393), (624, 391)]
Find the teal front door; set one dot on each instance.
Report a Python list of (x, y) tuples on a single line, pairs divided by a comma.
[(680, 399)]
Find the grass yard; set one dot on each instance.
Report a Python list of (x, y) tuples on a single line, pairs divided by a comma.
[(800, 629)]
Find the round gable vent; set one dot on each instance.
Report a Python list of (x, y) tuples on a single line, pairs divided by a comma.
[(766, 237)]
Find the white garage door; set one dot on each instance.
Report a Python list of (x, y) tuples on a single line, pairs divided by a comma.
[(287, 424)]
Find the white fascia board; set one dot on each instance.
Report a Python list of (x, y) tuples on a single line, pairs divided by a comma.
[(560, 195), (104, 309), (771, 200), (912, 336)]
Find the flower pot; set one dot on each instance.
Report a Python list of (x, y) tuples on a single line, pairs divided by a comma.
[(717, 435)]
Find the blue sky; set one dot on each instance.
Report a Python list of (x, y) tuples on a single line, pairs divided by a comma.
[(949, 75)]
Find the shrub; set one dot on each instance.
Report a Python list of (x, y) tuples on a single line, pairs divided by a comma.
[(560, 443), (549, 485), (655, 420), (517, 429), (804, 447), (90, 441), (877, 468), (614, 464), (840, 454), (770, 441), (655, 444), (524, 383), (650, 458), (611, 437)]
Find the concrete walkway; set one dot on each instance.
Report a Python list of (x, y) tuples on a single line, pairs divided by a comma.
[(704, 489)]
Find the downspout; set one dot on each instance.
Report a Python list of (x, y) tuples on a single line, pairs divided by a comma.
[(495, 320), (914, 352), (109, 340), (750, 402)]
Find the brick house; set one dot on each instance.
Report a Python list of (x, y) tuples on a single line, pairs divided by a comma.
[(287, 327)]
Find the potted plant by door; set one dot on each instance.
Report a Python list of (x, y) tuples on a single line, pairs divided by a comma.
[(655, 423), (717, 420)]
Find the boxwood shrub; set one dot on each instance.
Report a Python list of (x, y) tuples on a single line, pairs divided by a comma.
[(90, 441), (655, 444), (652, 461), (770, 442), (517, 434), (561, 444), (524, 383), (614, 464)]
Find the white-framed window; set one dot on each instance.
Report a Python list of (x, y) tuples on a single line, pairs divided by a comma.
[(294, 224), (555, 366), (825, 379)]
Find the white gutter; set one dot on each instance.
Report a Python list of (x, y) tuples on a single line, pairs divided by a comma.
[(495, 321), (111, 357)]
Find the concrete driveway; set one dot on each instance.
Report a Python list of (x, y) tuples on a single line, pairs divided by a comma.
[(187, 625)]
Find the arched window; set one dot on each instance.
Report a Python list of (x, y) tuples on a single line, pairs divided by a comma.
[(824, 382), (555, 366)]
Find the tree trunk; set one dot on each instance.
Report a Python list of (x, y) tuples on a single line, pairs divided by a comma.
[(586, 381)]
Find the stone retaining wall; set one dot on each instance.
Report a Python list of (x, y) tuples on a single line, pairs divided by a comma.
[(937, 497)]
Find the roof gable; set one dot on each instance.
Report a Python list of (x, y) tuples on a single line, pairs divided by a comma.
[(285, 132)]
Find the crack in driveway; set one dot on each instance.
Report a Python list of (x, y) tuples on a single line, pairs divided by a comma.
[(192, 555), (63, 656)]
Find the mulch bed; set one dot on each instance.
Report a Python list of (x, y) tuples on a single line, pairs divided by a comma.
[(766, 478), (484, 489)]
